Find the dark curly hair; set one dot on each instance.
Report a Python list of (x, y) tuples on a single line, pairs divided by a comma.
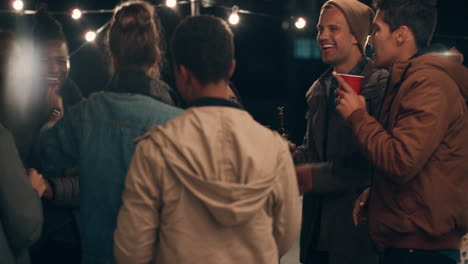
[(419, 15)]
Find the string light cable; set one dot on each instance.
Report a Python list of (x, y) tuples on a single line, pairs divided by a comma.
[(300, 22)]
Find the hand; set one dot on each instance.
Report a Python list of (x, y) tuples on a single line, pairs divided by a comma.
[(37, 182), (54, 100), (48, 193), (304, 177), (292, 149), (359, 212), (54, 117), (347, 101)]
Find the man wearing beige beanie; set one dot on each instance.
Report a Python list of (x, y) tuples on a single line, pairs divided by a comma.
[(329, 158)]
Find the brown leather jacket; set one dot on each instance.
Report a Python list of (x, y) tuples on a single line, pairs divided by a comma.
[(419, 147)]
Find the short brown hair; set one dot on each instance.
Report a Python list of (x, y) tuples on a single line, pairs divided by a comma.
[(210, 49)]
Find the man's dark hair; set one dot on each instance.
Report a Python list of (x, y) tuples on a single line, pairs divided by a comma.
[(419, 15), (204, 45), (46, 27)]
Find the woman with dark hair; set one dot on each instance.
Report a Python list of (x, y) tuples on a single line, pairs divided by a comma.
[(97, 135)]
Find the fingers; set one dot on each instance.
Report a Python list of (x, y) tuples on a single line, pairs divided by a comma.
[(360, 203), (31, 171), (292, 147), (356, 211), (304, 177), (344, 87)]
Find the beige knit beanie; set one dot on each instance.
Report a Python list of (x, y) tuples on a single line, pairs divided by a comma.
[(359, 17)]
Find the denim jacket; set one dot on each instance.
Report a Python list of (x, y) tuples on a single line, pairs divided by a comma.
[(97, 136)]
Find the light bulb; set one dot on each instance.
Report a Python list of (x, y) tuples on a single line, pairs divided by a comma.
[(234, 19), (300, 23), (76, 13), (171, 3), (90, 36), (18, 5)]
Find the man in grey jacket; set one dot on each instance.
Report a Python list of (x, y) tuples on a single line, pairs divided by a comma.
[(334, 169)]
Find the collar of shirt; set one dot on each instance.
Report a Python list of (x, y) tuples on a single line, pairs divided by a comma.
[(213, 101)]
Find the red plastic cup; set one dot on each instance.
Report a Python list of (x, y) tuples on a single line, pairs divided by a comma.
[(355, 81)]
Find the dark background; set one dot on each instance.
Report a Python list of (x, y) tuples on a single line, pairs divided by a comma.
[(276, 63)]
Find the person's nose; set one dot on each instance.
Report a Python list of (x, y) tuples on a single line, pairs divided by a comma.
[(371, 40), (323, 34), (54, 67)]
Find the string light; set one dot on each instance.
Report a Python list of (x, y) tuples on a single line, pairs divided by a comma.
[(171, 3), (90, 36), (18, 5), (234, 17), (76, 14), (300, 23)]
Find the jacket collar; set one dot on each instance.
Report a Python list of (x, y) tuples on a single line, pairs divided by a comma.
[(356, 70), (131, 79), (213, 101)]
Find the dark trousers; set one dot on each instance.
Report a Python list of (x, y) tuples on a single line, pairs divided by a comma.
[(413, 256), (317, 257)]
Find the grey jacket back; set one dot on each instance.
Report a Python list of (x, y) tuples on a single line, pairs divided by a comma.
[(20, 206)]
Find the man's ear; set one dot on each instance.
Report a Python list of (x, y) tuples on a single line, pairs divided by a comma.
[(233, 68), (402, 34), (355, 42)]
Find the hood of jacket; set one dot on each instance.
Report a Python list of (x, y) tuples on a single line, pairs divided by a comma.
[(449, 62), (218, 154)]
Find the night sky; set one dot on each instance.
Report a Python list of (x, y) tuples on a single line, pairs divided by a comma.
[(270, 71)]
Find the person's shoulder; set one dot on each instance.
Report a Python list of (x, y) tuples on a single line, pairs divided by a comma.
[(71, 93), (7, 142), (315, 88), (4, 133), (373, 76), (371, 71)]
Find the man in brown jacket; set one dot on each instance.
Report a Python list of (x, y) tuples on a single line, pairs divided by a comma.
[(417, 208), (333, 162)]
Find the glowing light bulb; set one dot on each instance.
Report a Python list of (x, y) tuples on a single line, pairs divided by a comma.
[(171, 3), (76, 14), (90, 36), (18, 5), (300, 23), (234, 17)]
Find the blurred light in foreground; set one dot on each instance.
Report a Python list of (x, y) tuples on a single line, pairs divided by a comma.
[(171, 3), (76, 13), (234, 17), (90, 36), (18, 5), (300, 23)]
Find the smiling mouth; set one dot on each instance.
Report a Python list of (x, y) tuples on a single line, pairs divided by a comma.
[(53, 80), (326, 48)]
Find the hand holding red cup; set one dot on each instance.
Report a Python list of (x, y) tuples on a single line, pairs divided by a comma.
[(354, 81), (348, 99)]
